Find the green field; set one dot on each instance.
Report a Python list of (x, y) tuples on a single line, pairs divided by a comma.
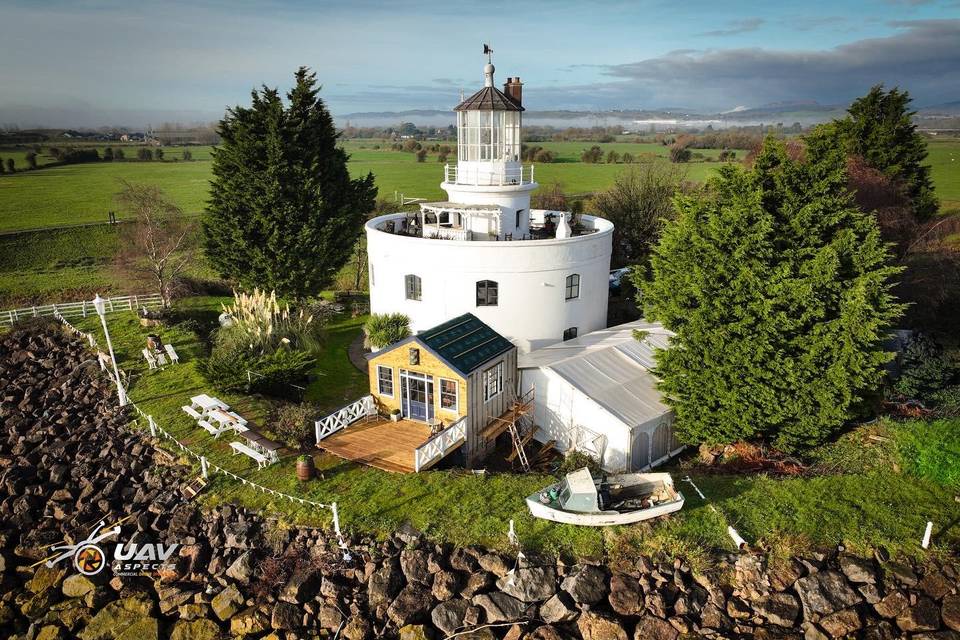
[(84, 193)]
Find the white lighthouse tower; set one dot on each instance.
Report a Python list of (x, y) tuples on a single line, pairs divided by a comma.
[(535, 276)]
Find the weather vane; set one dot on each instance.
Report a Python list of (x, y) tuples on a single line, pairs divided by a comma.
[(487, 49)]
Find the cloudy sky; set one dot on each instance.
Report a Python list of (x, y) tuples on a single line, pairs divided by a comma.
[(132, 62)]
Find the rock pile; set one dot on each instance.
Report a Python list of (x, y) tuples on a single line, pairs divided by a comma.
[(66, 461)]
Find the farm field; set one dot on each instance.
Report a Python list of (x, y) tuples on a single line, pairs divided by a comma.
[(83, 193), (77, 194)]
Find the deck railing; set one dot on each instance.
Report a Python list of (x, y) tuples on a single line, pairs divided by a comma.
[(487, 178), (344, 417), (82, 308), (440, 444)]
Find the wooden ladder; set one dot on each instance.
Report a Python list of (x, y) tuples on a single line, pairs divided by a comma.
[(518, 446)]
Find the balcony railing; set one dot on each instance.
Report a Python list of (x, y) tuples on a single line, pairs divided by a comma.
[(504, 176), (439, 445)]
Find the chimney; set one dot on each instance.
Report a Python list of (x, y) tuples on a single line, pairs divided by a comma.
[(514, 88)]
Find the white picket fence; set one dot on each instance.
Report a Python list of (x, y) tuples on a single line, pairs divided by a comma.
[(440, 445), (80, 309), (344, 417)]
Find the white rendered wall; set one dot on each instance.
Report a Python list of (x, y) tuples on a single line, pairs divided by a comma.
[(560, 410), (531, 274)]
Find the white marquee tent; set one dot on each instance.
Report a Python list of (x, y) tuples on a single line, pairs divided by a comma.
[(596, 394)]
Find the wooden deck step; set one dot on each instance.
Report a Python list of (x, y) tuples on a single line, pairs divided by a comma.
[(191, 490)]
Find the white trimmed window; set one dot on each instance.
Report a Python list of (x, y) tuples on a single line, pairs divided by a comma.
[(573, 286), (385, 380), (493, 381), (449, 400)]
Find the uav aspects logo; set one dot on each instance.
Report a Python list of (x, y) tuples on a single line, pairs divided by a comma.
[(130, 559), (88, 556)]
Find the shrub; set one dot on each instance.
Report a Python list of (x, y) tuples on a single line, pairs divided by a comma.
[(924, 368), (574, 460), (262, 325), (680, 154), (421, 155), (382, 329), (232, 367), (293, 424)]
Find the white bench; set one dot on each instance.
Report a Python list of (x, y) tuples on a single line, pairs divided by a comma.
[(174, 358), (190, 411), (209, 428), (239, 447), (151, 361)]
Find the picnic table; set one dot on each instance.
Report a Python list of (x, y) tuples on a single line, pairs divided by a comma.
[(239, 447), (207, 403), (226, 417), (260, 443)]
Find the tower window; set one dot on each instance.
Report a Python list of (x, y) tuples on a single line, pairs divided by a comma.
[(569, 334), (487, 291), (573, 286), (412, 286)]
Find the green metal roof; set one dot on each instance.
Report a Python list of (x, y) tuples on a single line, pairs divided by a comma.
[(465, 342)]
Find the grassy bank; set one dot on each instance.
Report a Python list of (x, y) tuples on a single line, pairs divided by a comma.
[(866, 492)]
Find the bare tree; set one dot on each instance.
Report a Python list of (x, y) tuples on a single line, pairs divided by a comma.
[(161, 243), (638, 204)]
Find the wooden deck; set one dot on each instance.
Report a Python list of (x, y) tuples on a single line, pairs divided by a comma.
[(382, 444)]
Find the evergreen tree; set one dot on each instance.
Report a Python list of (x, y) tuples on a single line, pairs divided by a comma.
[(879, 129), (778, 290), (924, 369), (283, 212)]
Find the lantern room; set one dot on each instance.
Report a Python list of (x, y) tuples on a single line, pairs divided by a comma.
[(488, 135)]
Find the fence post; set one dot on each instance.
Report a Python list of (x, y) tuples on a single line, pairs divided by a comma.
[(153, 426), (135, 305), (203, 466)]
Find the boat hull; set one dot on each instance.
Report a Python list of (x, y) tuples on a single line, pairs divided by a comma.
[(602, 518)]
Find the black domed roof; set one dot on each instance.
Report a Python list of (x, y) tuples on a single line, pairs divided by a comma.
[(489, 99)]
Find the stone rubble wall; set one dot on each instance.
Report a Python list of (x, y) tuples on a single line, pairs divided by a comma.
[(67, 461)]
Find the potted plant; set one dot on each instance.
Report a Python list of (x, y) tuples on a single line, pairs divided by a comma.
[(395, 415), (305, 468)]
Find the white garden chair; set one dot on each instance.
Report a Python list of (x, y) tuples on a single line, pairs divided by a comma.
[(172, 353), (151, 361)]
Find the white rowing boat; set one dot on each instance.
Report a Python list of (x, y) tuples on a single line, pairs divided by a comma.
[(599, 502)]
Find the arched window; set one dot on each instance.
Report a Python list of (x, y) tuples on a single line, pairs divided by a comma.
[(412, 285), (573, 286), (487, 293)]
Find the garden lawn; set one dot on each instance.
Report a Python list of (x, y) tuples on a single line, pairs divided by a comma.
[(449, 505), (861, 501)]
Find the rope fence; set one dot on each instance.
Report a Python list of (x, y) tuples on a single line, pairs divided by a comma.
[(205, 465)]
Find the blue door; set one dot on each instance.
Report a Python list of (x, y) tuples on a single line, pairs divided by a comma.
[(416, 396)]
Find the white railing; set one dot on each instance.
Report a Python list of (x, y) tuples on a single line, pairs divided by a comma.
[(446, 233), (344, 417), (486, 178), (440, 445), (82, 309)]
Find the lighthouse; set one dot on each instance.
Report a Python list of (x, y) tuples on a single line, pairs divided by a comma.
[(537, 277)]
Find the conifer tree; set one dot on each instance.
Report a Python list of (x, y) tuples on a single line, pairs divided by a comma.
[(777, 287), (283, 212), (880, 129)]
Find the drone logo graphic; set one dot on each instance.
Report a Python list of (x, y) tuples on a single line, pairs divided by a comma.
[(88, 558)]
